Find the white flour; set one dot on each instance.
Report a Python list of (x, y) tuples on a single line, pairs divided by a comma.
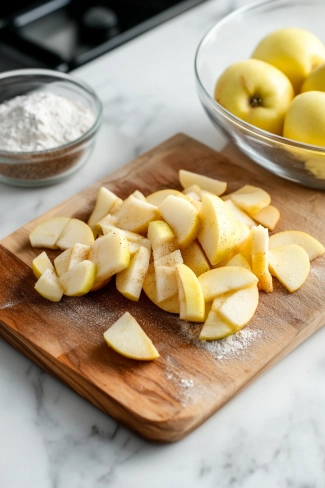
[(41, 121)]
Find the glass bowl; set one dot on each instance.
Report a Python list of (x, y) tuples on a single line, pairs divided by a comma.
[(233, 39), (49, 166)]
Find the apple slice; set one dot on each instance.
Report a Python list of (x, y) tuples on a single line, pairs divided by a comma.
[(260, 257), (170, 259), (41, 263), (171, 304), (312, 246), (267, 216), (135, 215), (162, 238), (219, 281), (239, 260), (49, 286), (250, 198), (129, 281), (47, 232), (191, 300), (127, 338), (240, 214), (188, 178), (194, 192), (108, 221), (290, 264), (219, 232), (79, 279), (182, 217), (215, 328), (159, 196), (68, 258), (239, 307), (104, 202), (166, 282), (111, 255), (194, 257), (76, 231)]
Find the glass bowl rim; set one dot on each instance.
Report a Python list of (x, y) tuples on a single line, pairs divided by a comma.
[(260, 133), (64, 77)]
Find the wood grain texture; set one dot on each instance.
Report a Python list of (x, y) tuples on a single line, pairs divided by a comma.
[(165, 399)]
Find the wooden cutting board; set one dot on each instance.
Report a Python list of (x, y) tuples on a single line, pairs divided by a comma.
[(165, 399)]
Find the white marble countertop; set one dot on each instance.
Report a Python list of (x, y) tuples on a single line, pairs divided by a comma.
[(271, 435)]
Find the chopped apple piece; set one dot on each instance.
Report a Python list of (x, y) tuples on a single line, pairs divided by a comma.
[(250, 198), (194, 192), (194, 257), (106, 222), (111, 255), (290, 264), (219, 281), (104, 203), (68, 258), (127, 338), (219, 231), (41, 263), (239, 260), (240, 214), (46, 233), (135, 215), (166, 282), (48, 286), (239, 307), (139, 195), (312, 246), (215, 328), (149, 287), (159, 196), (162, 238), (191, 300), (129, 281), (260, 257), (268, 217), (76, 231), (79, 279), (182, 217), (187, 178), (170, 259)]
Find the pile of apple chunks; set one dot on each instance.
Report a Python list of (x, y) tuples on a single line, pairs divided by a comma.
[(198, 253)]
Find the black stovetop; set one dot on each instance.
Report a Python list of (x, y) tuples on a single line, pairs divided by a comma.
[(65, 34)]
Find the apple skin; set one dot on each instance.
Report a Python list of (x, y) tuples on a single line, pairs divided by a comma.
[(295, 52), (305, 119), (315, 81), (256, 92)]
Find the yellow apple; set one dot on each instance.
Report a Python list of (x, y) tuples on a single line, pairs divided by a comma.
[(305, 119), (79, 279), (260, 257), (47, 232), (159, 196), (239, 260), (315, 81), (49, 286), (128, 338), (250, 198), (240, 214), (129, 281), (104, 202), (194, 258), (283, 265), (162, 238), (191, 299), (166, 282), (135, 214), (312, 246), (215, 328), (188, 178), (223, 280), (76, 231), (239, 307), (41, 263), (267, 216), (68, 258), (149, 287), (294, 51), (255, 92), (182, 217)]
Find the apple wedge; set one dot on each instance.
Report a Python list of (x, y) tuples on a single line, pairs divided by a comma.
[(41, 263), (215, 328), (182, 217), (290, 264), (188, 178), (159, 196), (239, 307), (170, 259), (129, 281), (312, 246), (219, 281), (171, 304), (240, 214), (135, 215), (127, 338), (219, 232), (47, 232), (111, 255), (68, 258), (49, 286), (239, 260), (166, 282), (267, 216), (250, 198), (104, 202), (194, 257), (79, 279), (162, 238), (191, 299), (75, 231), (260, 257)]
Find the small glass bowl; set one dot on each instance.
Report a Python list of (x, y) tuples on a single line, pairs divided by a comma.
[(233, 39), (46, 167)]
